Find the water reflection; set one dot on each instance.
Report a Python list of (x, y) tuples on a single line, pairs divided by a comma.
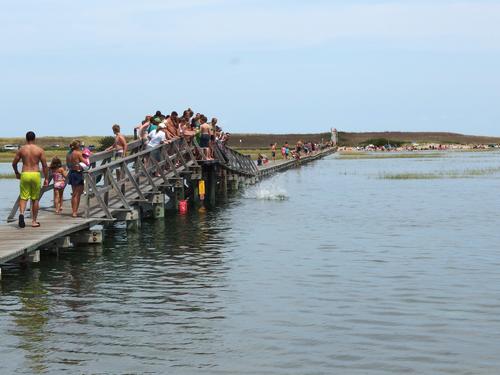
[(139, 289), (31, 320)]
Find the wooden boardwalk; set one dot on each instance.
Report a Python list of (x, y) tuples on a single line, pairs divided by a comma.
[(126, 189), (17, 242)]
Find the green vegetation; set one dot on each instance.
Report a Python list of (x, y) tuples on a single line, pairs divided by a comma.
[(254, 153), (467, 173), (105, 142), (7, 176), (6, 157)]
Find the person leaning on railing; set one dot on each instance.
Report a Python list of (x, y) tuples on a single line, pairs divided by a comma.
[(144, 128), (156, 138)]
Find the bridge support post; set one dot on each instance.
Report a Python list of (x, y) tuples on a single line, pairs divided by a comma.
[(175, 194), (243, 181), (34, 257), (195, 193), (223, 182), (212, 186), (158, 203), (234, 183), (133, 220), (91, 236), (179, 193)]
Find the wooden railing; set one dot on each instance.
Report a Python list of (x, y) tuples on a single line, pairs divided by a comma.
[(113, 184), (99, 179), (233, 160), (116, 185)]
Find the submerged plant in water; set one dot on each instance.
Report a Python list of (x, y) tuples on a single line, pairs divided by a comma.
[(467, 173), (362, 155)]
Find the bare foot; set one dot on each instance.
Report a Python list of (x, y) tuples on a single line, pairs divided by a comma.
[(35, 224)]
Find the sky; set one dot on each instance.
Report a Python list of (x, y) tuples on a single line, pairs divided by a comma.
[(78, 67)]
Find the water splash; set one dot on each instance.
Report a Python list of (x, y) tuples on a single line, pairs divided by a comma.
[(266, 192)]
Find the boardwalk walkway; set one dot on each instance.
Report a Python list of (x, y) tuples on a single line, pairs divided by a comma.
[(129, 188)]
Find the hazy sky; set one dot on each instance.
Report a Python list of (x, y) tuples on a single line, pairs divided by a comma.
[(77, 67)]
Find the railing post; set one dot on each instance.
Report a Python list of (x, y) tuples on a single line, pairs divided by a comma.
[(87, 195)]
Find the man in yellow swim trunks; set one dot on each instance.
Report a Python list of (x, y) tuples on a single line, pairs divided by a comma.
[(31, 155)]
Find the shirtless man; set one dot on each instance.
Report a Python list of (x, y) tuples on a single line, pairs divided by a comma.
[(205, 130), (120, 145), (31, 155)]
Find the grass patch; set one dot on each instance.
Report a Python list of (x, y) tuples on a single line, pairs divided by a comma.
[(467, 173), (7, 157), (7, 176), (349, 155), (254, 152)]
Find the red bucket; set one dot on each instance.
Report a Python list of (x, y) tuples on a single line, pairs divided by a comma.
[(183, 206)]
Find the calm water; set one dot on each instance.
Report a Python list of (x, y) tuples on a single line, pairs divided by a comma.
[(352, 274)]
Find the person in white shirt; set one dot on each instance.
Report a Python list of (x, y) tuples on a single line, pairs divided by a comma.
[(156, 138)]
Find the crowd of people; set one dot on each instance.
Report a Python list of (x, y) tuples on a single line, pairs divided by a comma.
[(154, 130), (159, 128), (287, 152)]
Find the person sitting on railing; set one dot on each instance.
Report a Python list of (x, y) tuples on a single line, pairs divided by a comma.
[(59, 174), (172, 123), (195, 121), (225, 137), (158, 117), (144, 128), (186, 130), (76, 180), (187, 114)]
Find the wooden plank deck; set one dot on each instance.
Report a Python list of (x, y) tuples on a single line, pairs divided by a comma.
[(17, 241)]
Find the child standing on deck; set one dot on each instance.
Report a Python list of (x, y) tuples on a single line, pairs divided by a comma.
[(59, 176)]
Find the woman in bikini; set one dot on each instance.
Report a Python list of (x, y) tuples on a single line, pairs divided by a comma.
[(76, 180)]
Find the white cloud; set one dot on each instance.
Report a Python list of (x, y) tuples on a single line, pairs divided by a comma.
[(192, 24)]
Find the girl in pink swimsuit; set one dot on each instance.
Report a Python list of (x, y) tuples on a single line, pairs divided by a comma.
[(59, 176)]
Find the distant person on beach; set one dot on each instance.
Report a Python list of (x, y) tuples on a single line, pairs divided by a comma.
[(30, 181), (259, 160), (75, 177), (59, 174), (287, 150), (298, 147)]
